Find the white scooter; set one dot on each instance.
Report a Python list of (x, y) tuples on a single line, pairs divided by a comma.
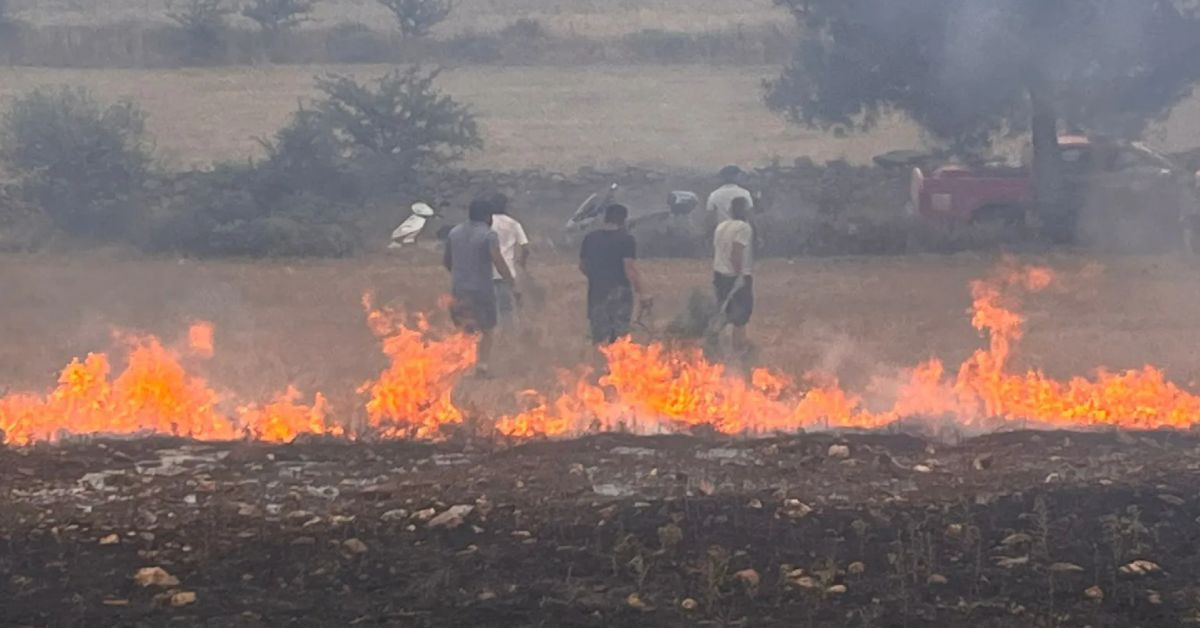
[(410, 230)]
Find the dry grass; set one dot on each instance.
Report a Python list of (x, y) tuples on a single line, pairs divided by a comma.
[(281, 322), (553, 117), (689, 117), (597, 18)]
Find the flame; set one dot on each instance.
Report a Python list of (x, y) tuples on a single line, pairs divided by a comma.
[(646, 388), (284, 419), (411, 398)]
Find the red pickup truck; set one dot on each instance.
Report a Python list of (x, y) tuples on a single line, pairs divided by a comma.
[(1107, 183)]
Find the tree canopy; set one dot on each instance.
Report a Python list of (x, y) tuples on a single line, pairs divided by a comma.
[(967, 69)]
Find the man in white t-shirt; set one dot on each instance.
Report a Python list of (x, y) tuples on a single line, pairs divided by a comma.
[(514, 248), (721, 199), (733, 267)]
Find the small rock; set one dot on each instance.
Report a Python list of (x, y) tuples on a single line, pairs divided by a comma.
[(424, 515), (749, 578), (354, 546), (1065, 567), (154, 577), (111, 539), (804, 582), (1016, 539), (521, 534), (936, 578), (635, 601), (688, 604), (982, 462), (756, 504), (836, 589), (954, 530), (795, 509), (115, 602), (452, 517), (922, 469), (1172, 499), (1094, 593), (304, 540), (485, 596), (840, 452), (183, 598), (1053, 478), (398, 514), (1009, 563), (1140, 568), (856, 568), (1154, 598)]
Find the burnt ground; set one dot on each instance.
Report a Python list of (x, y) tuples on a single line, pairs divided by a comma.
[(1014, 529)]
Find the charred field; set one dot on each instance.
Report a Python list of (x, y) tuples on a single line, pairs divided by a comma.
[(887, 527), (1013, 529)]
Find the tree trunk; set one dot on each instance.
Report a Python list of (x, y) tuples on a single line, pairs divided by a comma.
[(1055, 214)]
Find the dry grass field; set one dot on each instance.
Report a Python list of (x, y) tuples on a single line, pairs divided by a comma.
[(597, 18), (301, 322), (554, 117), (560, 118)]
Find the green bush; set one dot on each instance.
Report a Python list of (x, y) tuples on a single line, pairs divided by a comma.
[(355, 43), (396, 127), (85, 164)]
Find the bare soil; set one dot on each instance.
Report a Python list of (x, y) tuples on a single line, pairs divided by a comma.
[(1004, 530)]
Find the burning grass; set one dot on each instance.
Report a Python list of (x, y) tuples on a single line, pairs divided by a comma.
[(647, 387)]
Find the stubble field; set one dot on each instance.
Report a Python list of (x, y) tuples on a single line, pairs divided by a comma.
[(280, 323)]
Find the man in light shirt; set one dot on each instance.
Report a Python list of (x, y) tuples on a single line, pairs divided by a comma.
[(721, 200), (514, 248), (733, 261)]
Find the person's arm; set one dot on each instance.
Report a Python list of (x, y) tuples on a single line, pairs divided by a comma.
[(737, 250), (631, 269), (522, 247), (635, 278), (500, 264)]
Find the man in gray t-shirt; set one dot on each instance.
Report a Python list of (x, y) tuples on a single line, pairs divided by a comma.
[(472, 251)]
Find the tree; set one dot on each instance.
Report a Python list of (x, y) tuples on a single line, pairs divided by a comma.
[(417, 17), (202, 24), (84, 163), (967, 70), (400, 121), (277, 16)]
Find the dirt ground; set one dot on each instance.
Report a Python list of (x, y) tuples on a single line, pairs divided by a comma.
[(1016, 529)]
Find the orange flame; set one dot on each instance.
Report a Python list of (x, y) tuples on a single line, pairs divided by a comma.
[(412, 396), (284, 419), (647, 388)]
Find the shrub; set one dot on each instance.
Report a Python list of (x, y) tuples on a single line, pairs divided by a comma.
[(84, 163), (417, 17), (306, 156), (203, 29), (397, 126)]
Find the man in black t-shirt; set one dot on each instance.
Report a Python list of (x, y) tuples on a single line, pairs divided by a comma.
[(607, 260)]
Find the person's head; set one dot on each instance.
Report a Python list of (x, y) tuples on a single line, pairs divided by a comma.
[(615, 215), (480, 210), (739, 208), (499, 201), (730, 174)]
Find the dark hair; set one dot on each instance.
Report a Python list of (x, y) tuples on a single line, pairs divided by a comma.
[(480, 211), (615, 214), (729, 174), (499, 202), (739, 208)]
